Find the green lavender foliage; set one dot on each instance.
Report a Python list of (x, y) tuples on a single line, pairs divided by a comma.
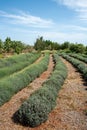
[(29, 59), (15, 59), (78, 64), (79, 57), (14, 83), (36, 109)]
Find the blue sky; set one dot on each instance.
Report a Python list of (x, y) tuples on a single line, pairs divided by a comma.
[(56, 20)]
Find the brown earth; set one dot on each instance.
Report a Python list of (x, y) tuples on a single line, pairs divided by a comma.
[(69, 113)]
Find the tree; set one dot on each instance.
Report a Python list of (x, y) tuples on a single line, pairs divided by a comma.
[(56, 46), (14, 46), (73, 47), (39, 44), (1, 46), (48, 45), (17, 46), (78, 48), (86, 50), (65, 45), (7, 44)]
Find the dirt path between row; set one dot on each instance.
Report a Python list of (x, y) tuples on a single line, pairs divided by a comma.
[(8, 109), (69, 113)]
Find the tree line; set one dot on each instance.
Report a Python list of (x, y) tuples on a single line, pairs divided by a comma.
[(9, 46), (42, 44), (12, 46)]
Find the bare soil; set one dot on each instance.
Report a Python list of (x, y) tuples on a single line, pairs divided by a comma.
[(69, 113)]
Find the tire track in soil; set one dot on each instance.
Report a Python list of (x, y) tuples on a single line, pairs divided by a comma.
[(71, 103), (8, 109)]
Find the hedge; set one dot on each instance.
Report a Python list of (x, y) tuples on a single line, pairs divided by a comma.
[(14, 83), (36, 108), (18, 66)]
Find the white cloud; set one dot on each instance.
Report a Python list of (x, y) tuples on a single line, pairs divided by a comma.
[(80, 6), (29, 36), (26, 19), (61, 37), (58, 33), (75, 28), (73, 3)]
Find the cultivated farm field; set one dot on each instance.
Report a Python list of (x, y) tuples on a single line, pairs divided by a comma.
[(45, 91)]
